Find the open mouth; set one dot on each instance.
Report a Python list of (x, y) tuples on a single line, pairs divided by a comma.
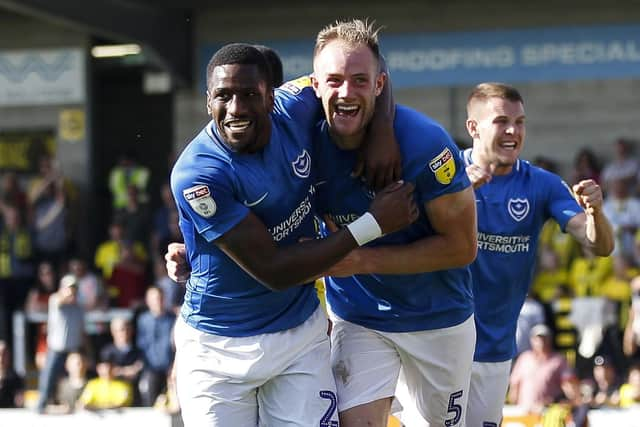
[(348, 110), (238, 125), (509, 145)]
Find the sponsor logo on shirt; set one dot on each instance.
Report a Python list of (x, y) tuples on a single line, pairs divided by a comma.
[(302, 165), (201, 201), (518, 208), (297, 217), (443, 167), (503, 244)]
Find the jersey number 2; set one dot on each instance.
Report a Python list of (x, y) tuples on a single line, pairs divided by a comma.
[(326, 420)]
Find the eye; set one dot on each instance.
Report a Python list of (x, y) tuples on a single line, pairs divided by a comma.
[(361, 80), (221, 96)]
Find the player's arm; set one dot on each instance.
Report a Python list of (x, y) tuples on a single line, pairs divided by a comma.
[(251, 246), (380, 158), (454, 244), (591, 228)]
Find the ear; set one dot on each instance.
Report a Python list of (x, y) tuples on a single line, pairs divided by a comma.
[(472, 128), (209, 100), (315, 83), (381, 80)]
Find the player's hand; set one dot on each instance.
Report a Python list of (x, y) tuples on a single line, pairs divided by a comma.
[(589, 195), (479, 175), (394, 207), (348, 266), (176, 262)]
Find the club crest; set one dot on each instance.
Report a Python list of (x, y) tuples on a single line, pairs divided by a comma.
[(302, 165), (518, 208)]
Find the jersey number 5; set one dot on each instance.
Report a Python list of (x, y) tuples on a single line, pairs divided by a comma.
[(454, 408)]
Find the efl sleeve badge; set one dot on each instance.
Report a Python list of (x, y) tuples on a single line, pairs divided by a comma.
[(200, 199), (443, 167)]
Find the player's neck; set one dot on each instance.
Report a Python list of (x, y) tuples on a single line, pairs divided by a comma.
[(349, 142), (479, 160)]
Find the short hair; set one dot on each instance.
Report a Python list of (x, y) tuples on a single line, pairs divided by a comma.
[(275, 64), (484, 91), (239, 53), (355, 31)]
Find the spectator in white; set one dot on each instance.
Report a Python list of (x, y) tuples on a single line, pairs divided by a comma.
[(91, 293), (155, 340), (65, 334), (537, 373), (623, 211), (531, 314), (623, 165)]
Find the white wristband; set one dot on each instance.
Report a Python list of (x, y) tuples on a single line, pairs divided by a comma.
[(365, 229)]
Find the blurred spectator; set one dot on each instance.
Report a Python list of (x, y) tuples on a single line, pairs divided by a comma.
[(566, 336), (126, 358), (162, 218), (531, 314), (71, 386), (17, 269), (585, 166), (537, 373), (623, 211), (91, 293), (106, 391), (588, 272), (630, 391), (108, 252), (38, 302), (549, 276), (606, 385), (623, 167), (617, 287), (172, 291), (65, 334), (154, 340), (11, 194), (126, 173), (631, 338), (51, 214), (570, 409), (565, 248), (128, 280), (135, 217), (168, 402), (11, 385)]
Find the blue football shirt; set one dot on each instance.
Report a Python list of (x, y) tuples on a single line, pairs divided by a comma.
[(397, 303), (511, 212), (214, 189)]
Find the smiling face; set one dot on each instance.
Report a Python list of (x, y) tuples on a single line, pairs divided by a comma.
[(347, 79), (239, 101), (497, 126)]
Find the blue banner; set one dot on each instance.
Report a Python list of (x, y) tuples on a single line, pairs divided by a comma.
[(445, 59)]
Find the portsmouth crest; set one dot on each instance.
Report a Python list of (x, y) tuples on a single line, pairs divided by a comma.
[(443, 167), (302, 165), (200, 199), (518, 208)]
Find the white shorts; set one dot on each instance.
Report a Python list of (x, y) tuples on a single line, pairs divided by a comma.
[(488, 391), (436, 364), (278, 379)]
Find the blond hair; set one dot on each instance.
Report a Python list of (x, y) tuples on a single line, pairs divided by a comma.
[(353, 32), (484, 91)]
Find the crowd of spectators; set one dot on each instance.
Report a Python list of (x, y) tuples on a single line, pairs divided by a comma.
[(99, 330), (579, 331)]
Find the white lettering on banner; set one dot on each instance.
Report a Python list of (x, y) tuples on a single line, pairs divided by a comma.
[(503, 244), (447, 59), (39, 77), (589, 52)]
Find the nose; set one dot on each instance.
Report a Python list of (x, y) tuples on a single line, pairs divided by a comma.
[(345, 90), (510, 129), (237, 105)]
